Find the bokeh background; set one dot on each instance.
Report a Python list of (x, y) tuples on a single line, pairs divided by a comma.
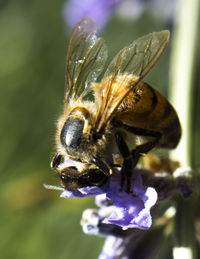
[(35, 222)]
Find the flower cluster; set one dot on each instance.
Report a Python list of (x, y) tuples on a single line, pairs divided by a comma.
[(129, 210), (123, 217)]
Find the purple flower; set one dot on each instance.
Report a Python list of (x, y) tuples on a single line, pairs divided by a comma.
[(129, 210), (132, 211), (122, 217), (112, 248), (101, 11), (81, 192), (133, 9)]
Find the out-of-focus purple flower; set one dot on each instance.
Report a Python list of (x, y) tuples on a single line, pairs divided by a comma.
[(112, 248), (129, 210), (162, 9), (101, 11)]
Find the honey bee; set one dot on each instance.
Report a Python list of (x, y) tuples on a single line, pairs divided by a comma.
[(98, 118)]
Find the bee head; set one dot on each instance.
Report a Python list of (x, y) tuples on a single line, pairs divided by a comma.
[(72, 179), (76, 175)]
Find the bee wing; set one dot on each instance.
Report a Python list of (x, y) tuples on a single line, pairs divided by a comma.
[(86, 57), (127, 68)]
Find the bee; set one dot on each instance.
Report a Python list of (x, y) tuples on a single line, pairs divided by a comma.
[(99, 117)]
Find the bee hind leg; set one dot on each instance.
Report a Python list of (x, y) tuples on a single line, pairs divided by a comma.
[(143, 149), (127, 168), (131, 158)]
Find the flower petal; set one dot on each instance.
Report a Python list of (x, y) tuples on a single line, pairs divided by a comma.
[(131, 210), (82, 192)]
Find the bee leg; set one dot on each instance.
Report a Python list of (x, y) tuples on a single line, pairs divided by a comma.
[(143, 149), (127, 168), (101, 165), (131, 158), (56, 161), (123, 178), (139, 132)]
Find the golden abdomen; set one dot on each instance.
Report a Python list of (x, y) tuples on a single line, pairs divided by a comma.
[(145, 108)]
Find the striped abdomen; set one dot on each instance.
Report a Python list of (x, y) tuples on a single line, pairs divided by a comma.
[(145, 108)]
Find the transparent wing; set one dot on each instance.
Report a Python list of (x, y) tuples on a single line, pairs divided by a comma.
[(139, 57), (86, 58), (127, 68)]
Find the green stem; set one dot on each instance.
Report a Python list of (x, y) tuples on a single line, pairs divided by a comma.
[(183, 59), (184, 230), (182, 72)]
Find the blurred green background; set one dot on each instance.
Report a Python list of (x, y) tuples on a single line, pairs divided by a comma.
[(34, 222)]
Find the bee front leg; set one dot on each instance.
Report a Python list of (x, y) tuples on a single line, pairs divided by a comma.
[(56, 161), (127, 168)]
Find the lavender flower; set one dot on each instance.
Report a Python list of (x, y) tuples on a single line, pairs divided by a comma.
[(128, 242), (123, 217), (133, 9), (129, 210), (102, 10)]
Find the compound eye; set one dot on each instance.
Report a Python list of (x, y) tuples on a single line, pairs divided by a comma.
[(96, 177), (71, 133)]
